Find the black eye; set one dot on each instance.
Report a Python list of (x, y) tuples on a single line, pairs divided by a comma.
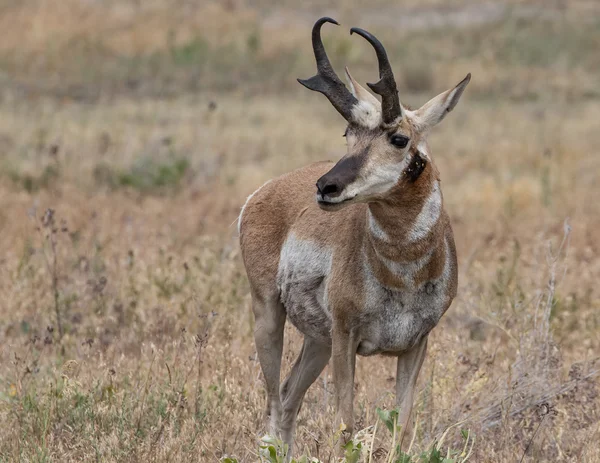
[(399, 140), (345, 133)]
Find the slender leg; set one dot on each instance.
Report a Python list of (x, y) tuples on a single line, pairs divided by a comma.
[(310, 363), (409, 365), (343, 363), (268, 335)]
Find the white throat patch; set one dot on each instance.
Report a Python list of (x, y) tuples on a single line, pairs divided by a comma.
[(376, 228), (429, 215)]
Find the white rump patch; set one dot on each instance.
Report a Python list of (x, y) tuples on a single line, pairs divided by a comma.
[(429, 215), (244, 206), (365, 114)]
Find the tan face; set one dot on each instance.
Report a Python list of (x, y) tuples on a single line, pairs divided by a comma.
[(381, 157), (384, 139), (376, 162)]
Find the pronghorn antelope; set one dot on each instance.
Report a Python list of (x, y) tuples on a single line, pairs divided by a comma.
[(364, 263)]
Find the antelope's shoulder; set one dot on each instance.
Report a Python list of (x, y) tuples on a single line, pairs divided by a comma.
[(281, 198)]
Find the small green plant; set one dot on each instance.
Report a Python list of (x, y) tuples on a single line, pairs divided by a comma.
[(253, 42), (32, 183), (433, 454), (273, 450), (148, 174), (352, 451), (145, 175), (191, 53)]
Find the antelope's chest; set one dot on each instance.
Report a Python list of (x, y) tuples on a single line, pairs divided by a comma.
[(385, 321), (393, 321)]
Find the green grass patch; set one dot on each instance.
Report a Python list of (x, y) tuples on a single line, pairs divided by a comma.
[(147, 175), (49, 175)]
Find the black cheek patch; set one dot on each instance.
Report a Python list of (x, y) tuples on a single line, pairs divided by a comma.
[(415, 168)]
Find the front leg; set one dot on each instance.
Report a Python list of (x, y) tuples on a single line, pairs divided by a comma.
[(343, 363), (409, 365)]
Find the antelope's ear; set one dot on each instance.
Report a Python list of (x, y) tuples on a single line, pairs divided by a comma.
[(368, 110), (432, 112), (361, 93)]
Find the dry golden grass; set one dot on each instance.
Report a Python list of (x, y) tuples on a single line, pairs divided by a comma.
[(156, 361)]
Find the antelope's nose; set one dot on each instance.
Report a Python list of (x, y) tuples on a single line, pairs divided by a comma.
[(328, 187)]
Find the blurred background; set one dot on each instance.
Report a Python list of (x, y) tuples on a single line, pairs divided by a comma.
[(131, 132)]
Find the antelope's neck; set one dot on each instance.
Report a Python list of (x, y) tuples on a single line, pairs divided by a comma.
[(405, 240)]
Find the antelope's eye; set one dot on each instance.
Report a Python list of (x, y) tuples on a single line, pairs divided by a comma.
[(399, 140)]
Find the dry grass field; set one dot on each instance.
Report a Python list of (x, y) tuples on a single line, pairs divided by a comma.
[(131, 132)]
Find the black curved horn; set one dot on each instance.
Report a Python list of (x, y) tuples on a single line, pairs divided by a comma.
[(326, 80), (386, 87)]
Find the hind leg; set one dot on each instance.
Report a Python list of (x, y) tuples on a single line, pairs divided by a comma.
[(268, 334), (308, 366)]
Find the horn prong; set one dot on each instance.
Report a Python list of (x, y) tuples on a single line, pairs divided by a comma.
[(326, 80)]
